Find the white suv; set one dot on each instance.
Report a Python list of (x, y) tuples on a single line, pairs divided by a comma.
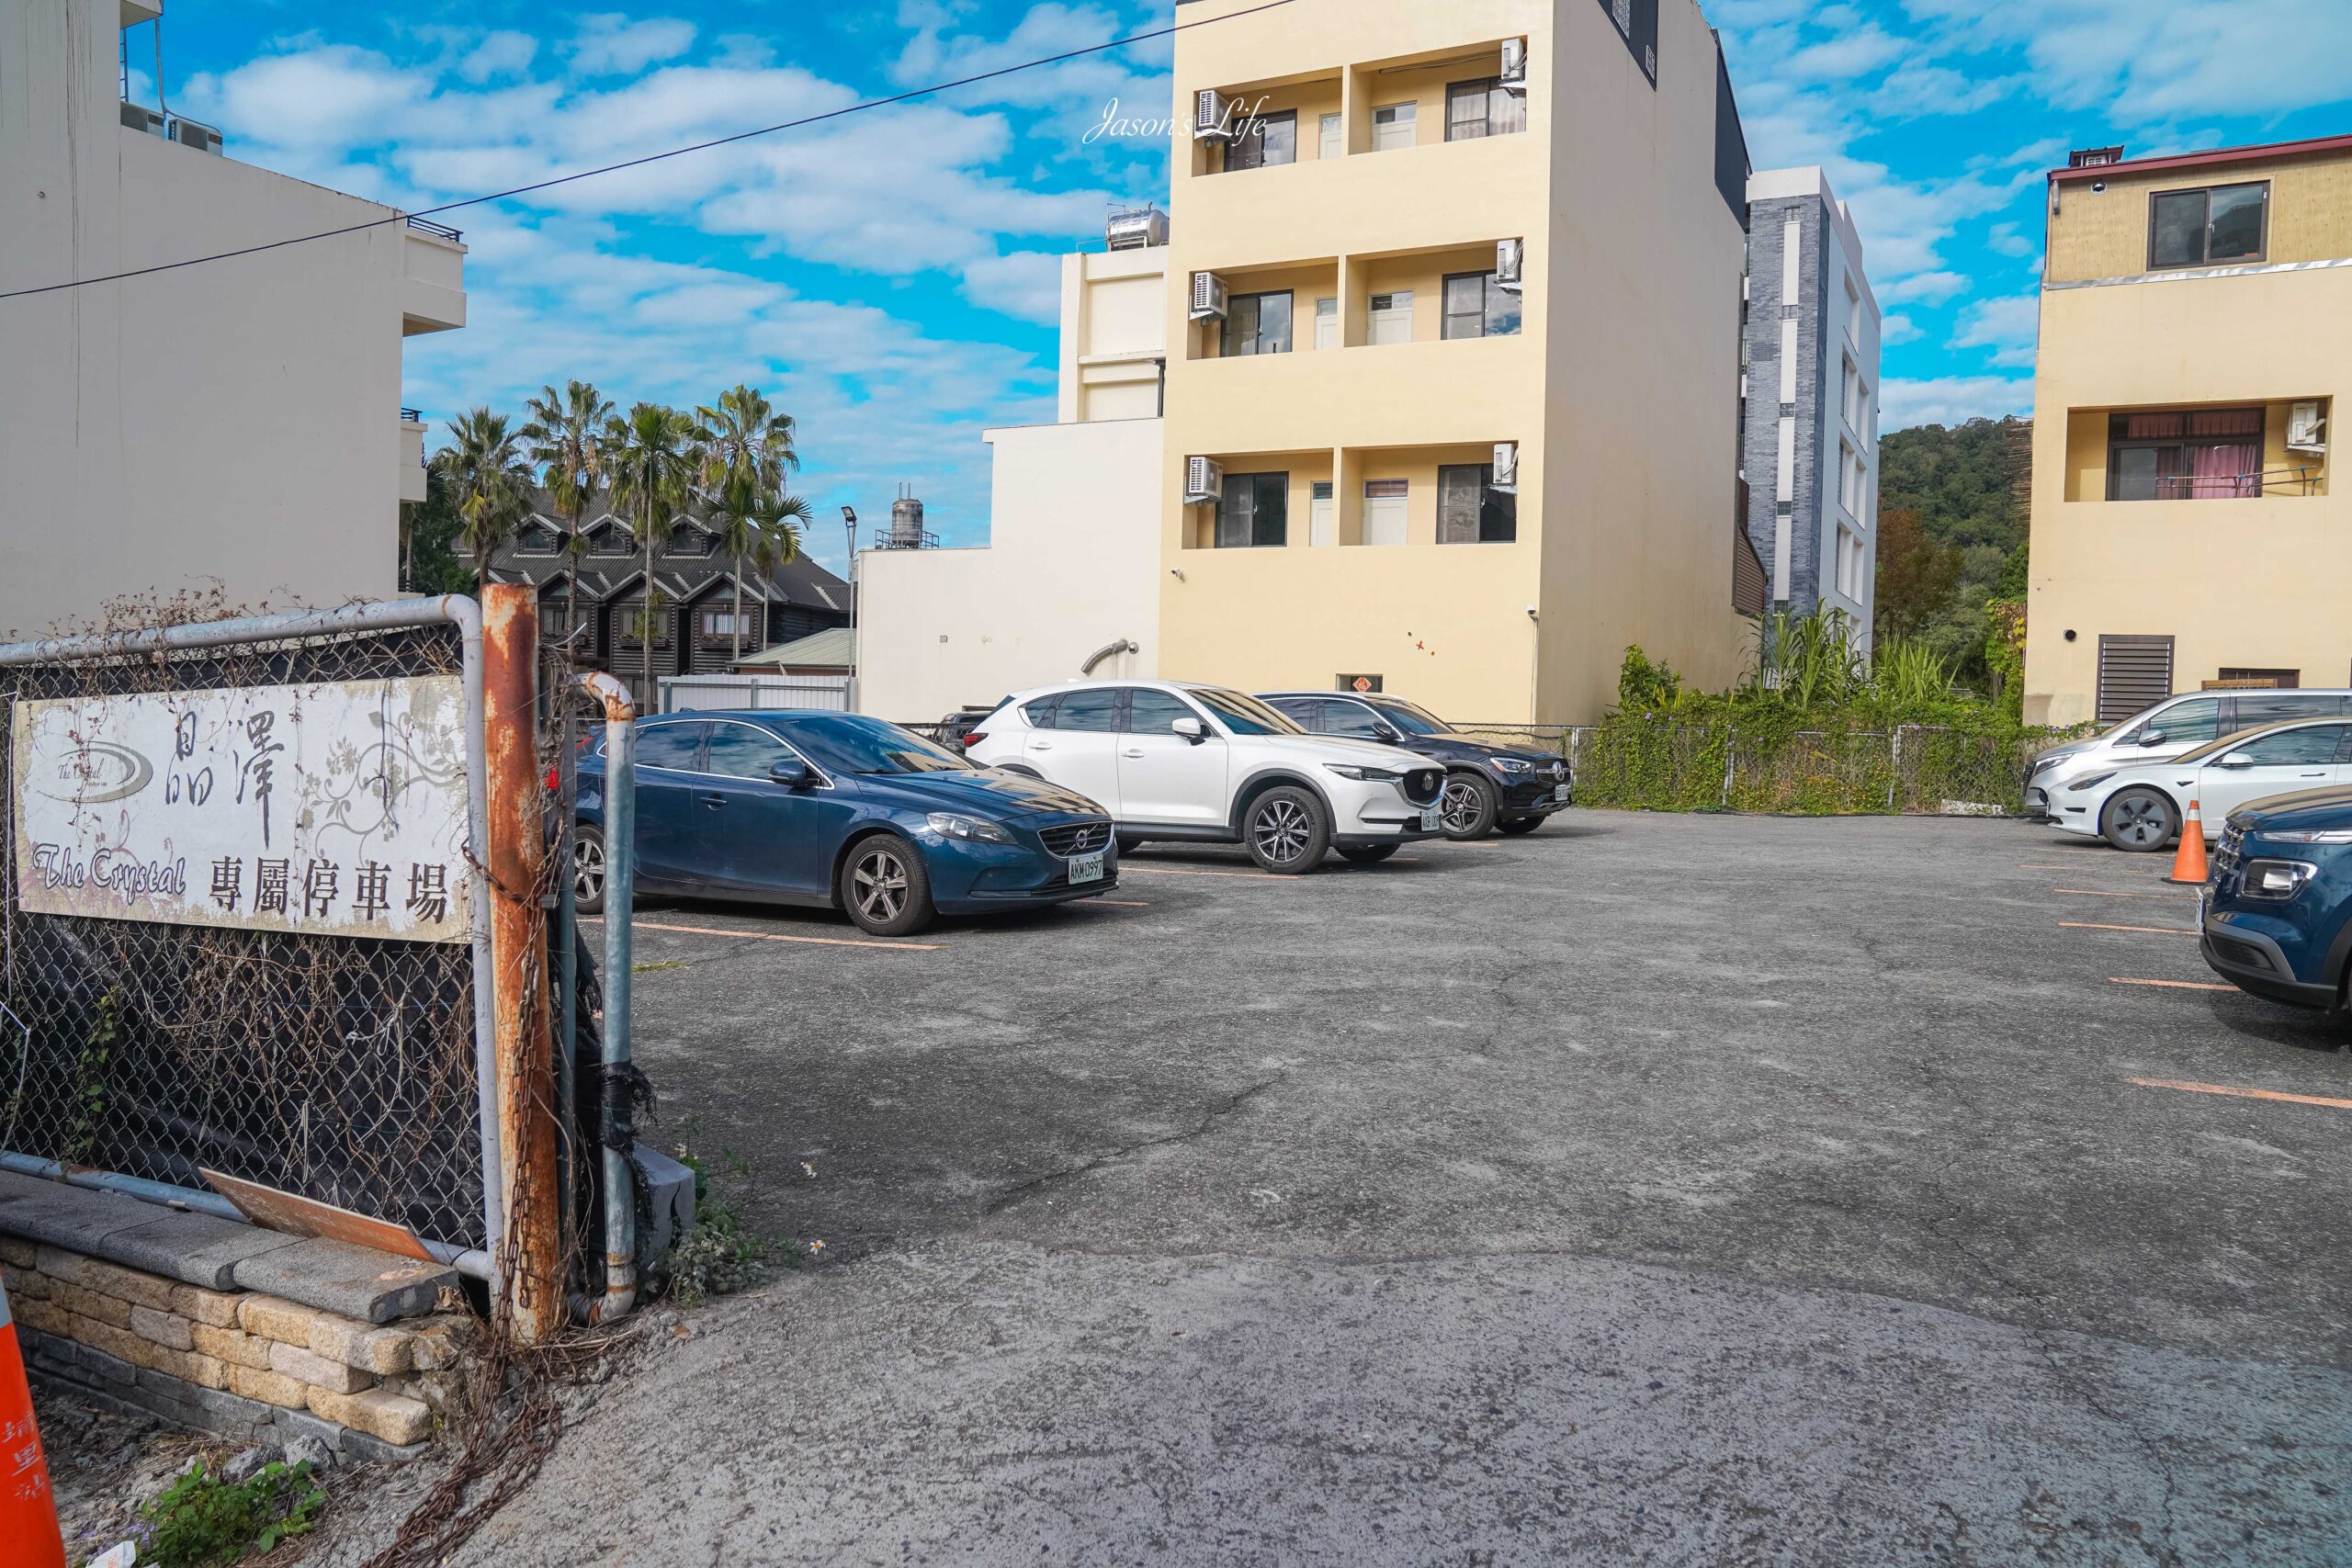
[(1171, 759)]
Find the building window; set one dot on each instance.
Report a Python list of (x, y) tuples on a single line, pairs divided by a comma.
[(1852, 477), (536, 541), (555, 620), (1470, 511), (613, 542), (2206, 227), (689, 541), (1473, 109), (1393, 126), (1254, 512), (719, 625), (2249, 679), (1265, 141), (1256, 323), (1851, 554), (1476, 307), (2185, 455), (631, 620)]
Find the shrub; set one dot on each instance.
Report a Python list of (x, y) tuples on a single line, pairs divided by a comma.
[(201, 1519)]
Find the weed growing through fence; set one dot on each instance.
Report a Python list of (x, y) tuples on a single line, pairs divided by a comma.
[(90, 1077), (1816, 728), (202, 1519)]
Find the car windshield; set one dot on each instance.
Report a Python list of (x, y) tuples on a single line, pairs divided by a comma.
[(853, 743), (1243, 715), (1412, 720)]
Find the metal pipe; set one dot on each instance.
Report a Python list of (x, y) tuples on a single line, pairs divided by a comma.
[(470, 1261), (620, 888), (525, 1039), (388, 615)]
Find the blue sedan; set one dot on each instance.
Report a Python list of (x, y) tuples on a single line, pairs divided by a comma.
[(836, 810)]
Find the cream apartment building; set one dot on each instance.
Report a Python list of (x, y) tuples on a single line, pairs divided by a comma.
[(1068, 584), (2195, 332), (237, 422), (1454, 333)]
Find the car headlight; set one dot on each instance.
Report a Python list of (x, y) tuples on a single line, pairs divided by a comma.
[(2313, 836), (2277, 878), (1367, 775), (956, 825), (1512, 765), (2044, 765), (2094, 781)]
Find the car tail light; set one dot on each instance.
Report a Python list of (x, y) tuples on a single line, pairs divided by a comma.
[(974, 739)]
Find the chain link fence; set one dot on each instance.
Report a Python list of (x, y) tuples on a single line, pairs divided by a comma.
[(338, 1068)]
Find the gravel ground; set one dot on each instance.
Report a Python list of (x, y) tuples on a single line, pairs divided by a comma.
[(1657, 1189)]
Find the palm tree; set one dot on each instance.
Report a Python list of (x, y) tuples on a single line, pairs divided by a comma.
[(489, 482), (650, 459), (744, 437), (566, 437), (755, 526)]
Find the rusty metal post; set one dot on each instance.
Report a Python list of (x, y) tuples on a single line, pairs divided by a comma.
[(518, 944)]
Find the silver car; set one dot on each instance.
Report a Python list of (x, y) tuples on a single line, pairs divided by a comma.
[(2170, 728)]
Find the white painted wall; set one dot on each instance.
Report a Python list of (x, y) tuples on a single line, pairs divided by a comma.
[(1072, 565), (237, 422)]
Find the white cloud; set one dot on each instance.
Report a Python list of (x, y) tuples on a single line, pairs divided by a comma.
[(2008, 326), (611, 44), (1027, 283), (1923, 287), (499, 54), (1897, 330), (1953, 400)]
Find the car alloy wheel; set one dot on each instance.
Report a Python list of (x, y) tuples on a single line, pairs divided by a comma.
[(878, 882), (2140, 820), (1282, 831), (587, 869), (1460, 807)]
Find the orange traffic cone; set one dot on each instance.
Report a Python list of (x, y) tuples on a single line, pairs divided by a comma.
[(2188, 864), (27, 1512)]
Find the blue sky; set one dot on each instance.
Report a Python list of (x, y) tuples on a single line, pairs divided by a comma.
[(889, 278)]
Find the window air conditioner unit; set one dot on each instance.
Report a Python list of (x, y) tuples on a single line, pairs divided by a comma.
[(1511, 258), (1203, 480), (1136, 228), (1208, 297), (1514, 71), (2307, 429), (203, 138), (1506, 480), (1212, 116), (139, 117)]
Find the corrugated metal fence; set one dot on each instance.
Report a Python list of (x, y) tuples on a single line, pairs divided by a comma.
[(681, 693)]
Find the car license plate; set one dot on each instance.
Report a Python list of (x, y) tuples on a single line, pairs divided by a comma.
[(1433, 819), (1561, 794), (1086, 868)]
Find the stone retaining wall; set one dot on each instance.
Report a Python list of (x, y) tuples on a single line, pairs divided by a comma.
[(247, 1365)]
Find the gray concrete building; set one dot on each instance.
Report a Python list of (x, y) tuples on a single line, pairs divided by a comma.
[(1810, 384)]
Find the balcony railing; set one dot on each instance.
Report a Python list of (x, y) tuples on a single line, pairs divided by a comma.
[(412, 416), (2238, 487), (453, 235)]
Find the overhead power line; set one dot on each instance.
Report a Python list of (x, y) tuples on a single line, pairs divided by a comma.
[(580, 174)]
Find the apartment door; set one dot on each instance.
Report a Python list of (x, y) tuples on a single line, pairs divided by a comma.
[(1393, 126), (1333, 144), (1327, 323), (1322, 526), (1392, 317), (1384, 511)]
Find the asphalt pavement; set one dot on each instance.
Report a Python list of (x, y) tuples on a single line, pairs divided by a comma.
[(1652, 1190)]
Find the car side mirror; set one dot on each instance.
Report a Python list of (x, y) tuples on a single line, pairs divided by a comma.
[(2154, 738), (2238, 760), (1191, 729), (791, 772), (1387, 732)]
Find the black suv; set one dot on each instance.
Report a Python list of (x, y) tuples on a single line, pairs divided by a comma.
[(1487, 786)]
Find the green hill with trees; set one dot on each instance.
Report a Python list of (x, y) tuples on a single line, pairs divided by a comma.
[(1951, 551)]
